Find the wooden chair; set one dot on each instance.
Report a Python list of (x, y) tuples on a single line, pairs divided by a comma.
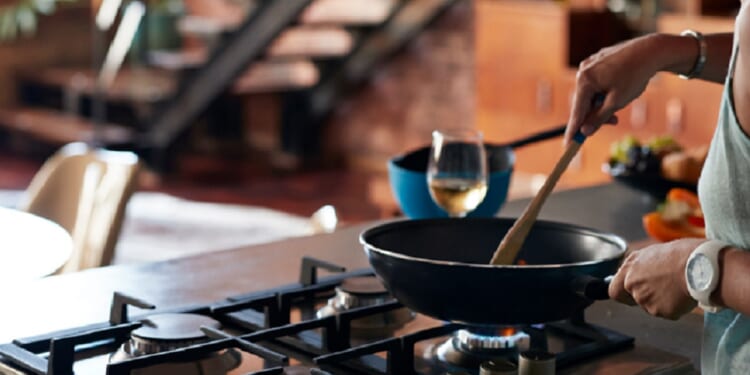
[(85, 190)]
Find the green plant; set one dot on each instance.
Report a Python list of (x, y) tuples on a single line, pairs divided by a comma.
[(167, 6), (19, 17)]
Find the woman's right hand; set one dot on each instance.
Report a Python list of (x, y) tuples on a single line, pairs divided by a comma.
[(654, 278), (619, 74)]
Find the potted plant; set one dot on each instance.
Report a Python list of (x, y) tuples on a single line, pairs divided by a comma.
[(20, 17), (161, 25)]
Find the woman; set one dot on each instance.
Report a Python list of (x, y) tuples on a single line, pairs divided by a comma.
[(669, 279)]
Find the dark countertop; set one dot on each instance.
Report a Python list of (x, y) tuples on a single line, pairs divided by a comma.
[(73, 300), (610, 207)]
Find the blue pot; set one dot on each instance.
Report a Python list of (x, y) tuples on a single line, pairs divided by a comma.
[(407, 174)]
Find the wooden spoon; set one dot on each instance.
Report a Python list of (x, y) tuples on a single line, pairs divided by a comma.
[(511, 244)]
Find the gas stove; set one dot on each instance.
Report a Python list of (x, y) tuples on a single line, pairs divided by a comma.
[(345, 323)]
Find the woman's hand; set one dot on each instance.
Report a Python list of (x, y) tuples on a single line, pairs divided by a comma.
[(654, 278), (620, 73)]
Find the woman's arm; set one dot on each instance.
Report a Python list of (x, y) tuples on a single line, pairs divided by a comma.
[(685, 49), (741, 83), (622, 72), (734, 285)]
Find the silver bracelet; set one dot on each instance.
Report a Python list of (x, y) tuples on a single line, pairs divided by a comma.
[(700, 62)]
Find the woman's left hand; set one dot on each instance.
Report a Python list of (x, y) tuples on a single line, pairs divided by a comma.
[(654, 278)]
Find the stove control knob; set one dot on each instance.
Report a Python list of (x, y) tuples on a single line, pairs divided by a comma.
[(498, 367), (535, 362)]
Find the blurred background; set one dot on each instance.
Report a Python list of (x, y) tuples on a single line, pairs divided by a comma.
[(294, 104)]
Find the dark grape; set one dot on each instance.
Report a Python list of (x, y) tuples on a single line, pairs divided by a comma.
[(648, 163), (632, 158), (642, 160)]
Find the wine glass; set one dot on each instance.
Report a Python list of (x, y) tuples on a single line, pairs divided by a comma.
[(457, 170)]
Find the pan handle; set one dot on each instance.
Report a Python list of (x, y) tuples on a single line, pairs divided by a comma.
[(591, 288), (541, 136)]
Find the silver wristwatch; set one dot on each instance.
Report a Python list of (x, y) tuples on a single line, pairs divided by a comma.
[(702, 273)]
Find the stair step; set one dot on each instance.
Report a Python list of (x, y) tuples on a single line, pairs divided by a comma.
[(177, 60), (313, 42), (204, 27), (277, 76), (320, 12), (303, 42), (136, 85), (158, 83), (348, 12), (262, 76), (59, 128)]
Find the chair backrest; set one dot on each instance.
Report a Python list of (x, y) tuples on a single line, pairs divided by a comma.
[(85, 190)]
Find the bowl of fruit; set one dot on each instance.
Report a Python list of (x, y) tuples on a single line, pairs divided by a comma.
[(655, 166)]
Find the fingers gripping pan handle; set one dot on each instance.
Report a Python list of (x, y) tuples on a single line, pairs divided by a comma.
[(591, 288)]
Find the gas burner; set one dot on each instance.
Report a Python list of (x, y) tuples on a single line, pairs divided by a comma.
[(165, 332), (355, 292), (468, 348), (483, 340), (360, 292), (169, 331)]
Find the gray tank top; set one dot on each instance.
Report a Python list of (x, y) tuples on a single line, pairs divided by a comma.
[(723, 189)]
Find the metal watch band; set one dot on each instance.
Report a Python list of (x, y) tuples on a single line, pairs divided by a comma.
[(700, 61), (710, 249)]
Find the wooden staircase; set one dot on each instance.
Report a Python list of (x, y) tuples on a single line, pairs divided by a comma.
[(310, 53)]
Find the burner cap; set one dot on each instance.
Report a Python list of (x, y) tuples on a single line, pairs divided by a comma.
[(470, 347), (477, 341), (174, 327), (365, 291), (363, 286)]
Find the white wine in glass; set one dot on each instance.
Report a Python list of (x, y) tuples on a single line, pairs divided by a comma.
[(457, 170)]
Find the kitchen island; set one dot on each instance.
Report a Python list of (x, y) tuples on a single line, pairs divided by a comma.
[(73, 300)]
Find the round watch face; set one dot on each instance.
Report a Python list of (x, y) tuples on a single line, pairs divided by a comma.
[(699, 272)]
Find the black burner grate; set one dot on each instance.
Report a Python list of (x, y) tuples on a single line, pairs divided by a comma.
[(260, 325)]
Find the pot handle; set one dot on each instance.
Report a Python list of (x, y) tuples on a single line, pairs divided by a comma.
[(592, 288), (557, 131), (538, 137)]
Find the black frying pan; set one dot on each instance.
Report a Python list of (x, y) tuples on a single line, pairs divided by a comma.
[(439, 267)]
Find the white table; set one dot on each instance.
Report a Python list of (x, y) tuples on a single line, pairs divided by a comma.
[(30, 246)]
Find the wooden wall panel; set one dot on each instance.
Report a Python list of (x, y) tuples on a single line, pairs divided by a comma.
[(526, 54)]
